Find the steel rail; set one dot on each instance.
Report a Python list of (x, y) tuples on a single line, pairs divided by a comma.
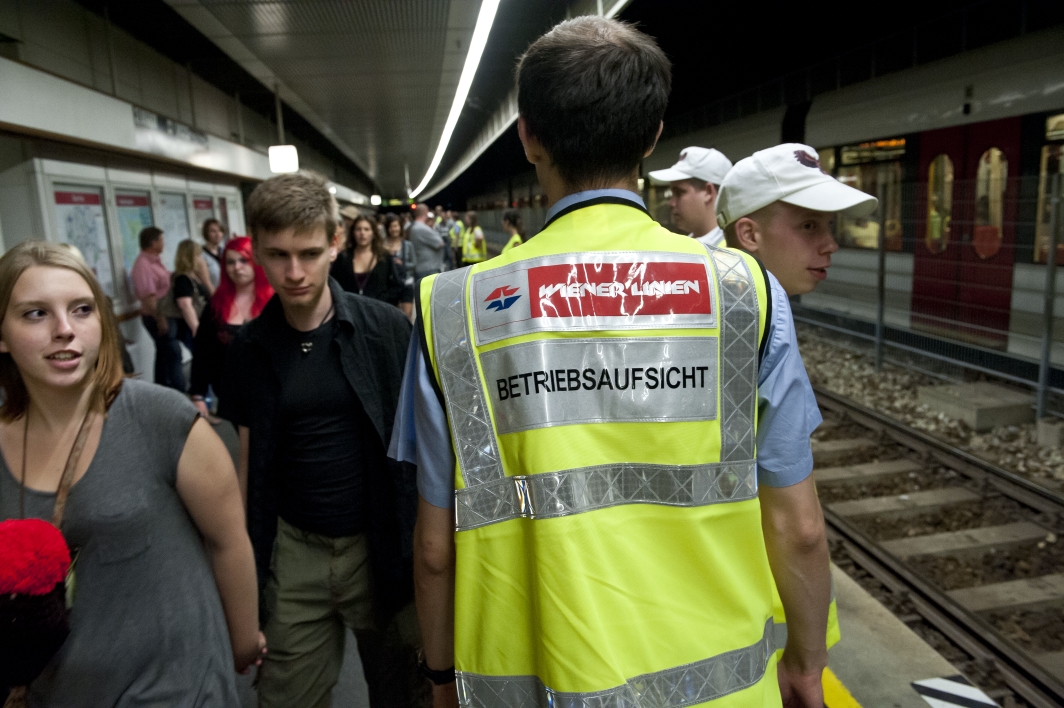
[(972, 633), (923, 441)]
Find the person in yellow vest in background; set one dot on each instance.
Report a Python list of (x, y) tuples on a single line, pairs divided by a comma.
[(474, 245), (611, 428), (511, 224), (457, 227)]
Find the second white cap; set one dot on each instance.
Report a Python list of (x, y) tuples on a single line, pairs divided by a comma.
[(787, 173), (706, 164)]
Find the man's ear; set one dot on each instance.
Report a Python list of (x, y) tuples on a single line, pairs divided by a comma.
[(534, 151), (661, 125), (709, 195), (748, 234)]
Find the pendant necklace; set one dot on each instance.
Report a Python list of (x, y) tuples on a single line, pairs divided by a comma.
[(305, 347)]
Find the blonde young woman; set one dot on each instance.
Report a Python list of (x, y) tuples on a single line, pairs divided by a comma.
[(165, 604), (189, 289)]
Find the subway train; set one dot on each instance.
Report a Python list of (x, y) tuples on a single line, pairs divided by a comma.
[(963, 153)]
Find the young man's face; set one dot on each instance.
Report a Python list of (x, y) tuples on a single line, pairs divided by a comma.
[(297, 263), (692, 208), (794, 243)]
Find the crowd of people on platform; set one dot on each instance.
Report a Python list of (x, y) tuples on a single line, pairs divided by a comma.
[(355, 400)]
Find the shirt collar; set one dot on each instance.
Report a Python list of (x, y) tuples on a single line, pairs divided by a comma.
[(153, 257), (566, 202)]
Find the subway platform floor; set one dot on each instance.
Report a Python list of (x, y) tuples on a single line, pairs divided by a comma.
[(879, 658)]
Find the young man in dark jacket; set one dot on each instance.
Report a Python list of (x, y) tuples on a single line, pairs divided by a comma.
[(314, 388)]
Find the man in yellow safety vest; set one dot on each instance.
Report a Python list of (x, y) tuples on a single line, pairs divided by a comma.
[(611, 427)]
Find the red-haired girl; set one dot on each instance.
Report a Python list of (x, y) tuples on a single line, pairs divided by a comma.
[(242, 293)]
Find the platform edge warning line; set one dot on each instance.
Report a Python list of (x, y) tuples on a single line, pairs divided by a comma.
[(952, 691), (836, 695)]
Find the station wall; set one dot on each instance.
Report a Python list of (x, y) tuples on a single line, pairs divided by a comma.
[(59, 38)]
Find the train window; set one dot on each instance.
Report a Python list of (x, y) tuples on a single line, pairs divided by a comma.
[(990, 181), (80, 222), (939, 203), (864, 232), (827, 159), (1055, 127), (1051, 165), (134, 213)]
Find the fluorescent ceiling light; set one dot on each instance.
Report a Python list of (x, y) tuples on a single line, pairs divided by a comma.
[(375, 199), (476, 49), (283, 158)]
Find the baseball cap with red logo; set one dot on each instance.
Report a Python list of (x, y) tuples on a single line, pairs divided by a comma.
[(706, 164), (786, 173)]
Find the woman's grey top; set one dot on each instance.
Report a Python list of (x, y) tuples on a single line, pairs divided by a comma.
[(147, 627)]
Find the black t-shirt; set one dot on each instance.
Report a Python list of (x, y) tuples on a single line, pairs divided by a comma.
[(326, 443), (184, 286)]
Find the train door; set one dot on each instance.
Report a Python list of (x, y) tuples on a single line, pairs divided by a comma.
[(966, 214)]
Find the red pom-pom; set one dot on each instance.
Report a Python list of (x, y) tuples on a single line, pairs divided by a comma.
[(33, 557)]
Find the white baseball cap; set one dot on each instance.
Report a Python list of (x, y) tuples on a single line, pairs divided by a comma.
[(706, 164), (787, 173)]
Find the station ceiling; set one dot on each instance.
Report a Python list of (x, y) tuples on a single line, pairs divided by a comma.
[(376, 77)]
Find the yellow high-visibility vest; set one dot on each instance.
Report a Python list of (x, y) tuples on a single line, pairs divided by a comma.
[(602, 404), (514, 241), (471, 251)]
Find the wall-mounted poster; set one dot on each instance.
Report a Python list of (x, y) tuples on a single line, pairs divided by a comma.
[(202, 209), (134, 214), (173, 220), (80, 222)]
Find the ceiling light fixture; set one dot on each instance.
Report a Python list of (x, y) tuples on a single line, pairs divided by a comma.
[(485, 19), (375, 199), (283, 158)]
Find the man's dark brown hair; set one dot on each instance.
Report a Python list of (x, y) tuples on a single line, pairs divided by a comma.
[(300, 200), (593, 92), (148, 236)]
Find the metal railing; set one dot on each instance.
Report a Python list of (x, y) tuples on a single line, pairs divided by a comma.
[(960, 304)]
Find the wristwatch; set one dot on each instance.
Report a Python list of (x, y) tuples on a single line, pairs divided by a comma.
[(438, 677)]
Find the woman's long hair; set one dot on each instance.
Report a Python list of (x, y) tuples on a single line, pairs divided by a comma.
[(107, 379), (185, 259), (376, 244), (222, 302)]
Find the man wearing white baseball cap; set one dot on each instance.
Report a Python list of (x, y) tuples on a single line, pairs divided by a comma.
[(778, 205), (695, 181)]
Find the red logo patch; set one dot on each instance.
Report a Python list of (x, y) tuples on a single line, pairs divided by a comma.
[(619, 289)]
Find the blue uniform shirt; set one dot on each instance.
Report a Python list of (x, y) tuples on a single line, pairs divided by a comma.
[(787, 410)]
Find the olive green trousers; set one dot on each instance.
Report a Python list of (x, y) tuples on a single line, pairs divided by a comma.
[(319, 586)]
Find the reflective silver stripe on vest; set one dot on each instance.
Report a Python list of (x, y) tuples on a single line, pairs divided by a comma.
[(554, 494), (738, 357), (467, 413), (686, 685)]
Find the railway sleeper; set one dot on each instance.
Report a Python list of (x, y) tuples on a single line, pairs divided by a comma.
[(831, 452), (967, 542), (1045, 590), (906, 504), (849, 474)]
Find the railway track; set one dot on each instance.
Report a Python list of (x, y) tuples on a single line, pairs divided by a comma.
[(973, 547)]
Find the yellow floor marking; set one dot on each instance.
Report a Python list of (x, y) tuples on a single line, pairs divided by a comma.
[(835, 694)]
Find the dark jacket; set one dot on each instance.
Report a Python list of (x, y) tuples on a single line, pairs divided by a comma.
[(373, 339), (208, 354), (385, 281)]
